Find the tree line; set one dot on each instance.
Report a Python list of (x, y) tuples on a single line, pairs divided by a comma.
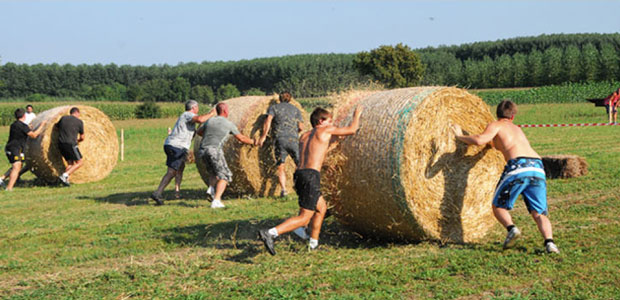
[(517, 62)]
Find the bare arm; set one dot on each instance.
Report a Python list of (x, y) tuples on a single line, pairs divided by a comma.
[(34, 134), (244, 139), (478, 139), (352, 128), (203, 118), (201, 130), (81, 138), (266, 127), (300, 126)]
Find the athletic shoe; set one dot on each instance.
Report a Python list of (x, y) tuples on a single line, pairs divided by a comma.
[(268, 240), (217, 204), (283, 193), (64, 180), (210, 194), (301, 232), (512, 236), (2, 184), (552, 248), (157, 198)]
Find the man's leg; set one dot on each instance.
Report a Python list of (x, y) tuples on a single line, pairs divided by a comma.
[(503, 216), (73, 166), (171, 173), (544, 225), (282, 178), (177, 180), (14, 174), (292, 223)]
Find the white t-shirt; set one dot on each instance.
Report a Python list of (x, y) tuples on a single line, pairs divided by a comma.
[(29, 117), (182, 132)]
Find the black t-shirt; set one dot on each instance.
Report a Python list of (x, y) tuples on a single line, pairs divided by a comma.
[(285, 120), (18, 135), (68, 129)]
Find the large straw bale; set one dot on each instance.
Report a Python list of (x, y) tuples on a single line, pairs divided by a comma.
[(99, 148), (403, 176), (564, 166), (254, 168)]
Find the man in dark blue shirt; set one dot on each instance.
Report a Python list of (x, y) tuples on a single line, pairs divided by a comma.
[(69, 127)]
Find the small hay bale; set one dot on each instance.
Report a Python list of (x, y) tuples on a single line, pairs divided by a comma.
[(99, 148), (254, 168), (403, 176), (564, 166)]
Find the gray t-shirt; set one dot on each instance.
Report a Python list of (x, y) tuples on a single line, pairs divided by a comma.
[(285, 120), (216, 131), (183, 131)]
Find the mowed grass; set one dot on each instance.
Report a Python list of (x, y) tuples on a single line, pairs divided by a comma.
[(106, 240)]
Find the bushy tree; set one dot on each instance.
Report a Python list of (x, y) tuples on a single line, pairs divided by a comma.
[(571, 64), (179, 89), (254, 92), (148, 110), (227, 91), (589, 62), (395, 66), (202, 93)]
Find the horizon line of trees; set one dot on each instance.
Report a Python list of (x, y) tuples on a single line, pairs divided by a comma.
[(517, 62)]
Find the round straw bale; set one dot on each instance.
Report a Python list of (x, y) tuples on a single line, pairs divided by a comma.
[(253, 168), (564, 166), (403, 176), (99, 148)]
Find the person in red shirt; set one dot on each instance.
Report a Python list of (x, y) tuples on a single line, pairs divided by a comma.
[(611, 105)]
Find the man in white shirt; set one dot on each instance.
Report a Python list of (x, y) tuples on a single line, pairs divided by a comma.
[(30, 115)]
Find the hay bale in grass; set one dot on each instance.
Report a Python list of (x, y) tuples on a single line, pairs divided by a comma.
[(403, 176), (564, 166), (99, 148), (253, 168)]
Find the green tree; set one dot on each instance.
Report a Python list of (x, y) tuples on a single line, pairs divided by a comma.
[(571, 63), (589, 62), (395, 66), (519, 62), (254, 92), (202, 93), (535, 66), (609, 63), (552, 66), (227, 91), (180, 89), (504, 71)]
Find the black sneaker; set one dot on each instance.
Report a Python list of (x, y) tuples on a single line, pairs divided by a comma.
[(64, 180), (267, 240), (158, 199)]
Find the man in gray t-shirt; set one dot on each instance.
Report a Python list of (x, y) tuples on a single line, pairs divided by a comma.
[(214, 134), (177, 146), (287, 124)]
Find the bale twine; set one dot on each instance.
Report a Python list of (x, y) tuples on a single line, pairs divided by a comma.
[(254, 168), (99, 148), (564, 166), (403, 176)]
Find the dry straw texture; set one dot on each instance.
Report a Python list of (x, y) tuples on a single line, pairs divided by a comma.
[(565, 166), (99, 148), (403, 176), (253, 168)]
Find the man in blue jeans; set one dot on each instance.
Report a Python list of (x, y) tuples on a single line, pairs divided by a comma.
[(523, 175)]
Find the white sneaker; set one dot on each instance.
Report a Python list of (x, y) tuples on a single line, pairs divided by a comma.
[(210, 193), (552, 248), (2, 184), (512, 236), (301, 232), (217, 204)]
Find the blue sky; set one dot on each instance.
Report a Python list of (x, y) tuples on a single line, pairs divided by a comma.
[(169, 32)]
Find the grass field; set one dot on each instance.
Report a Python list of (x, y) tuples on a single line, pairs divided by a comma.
[(105, 240)]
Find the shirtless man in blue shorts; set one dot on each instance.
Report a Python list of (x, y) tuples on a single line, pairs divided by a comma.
[(523, 175), (313, 146)]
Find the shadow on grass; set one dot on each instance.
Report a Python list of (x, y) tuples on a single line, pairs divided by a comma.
[(144, 198), (243, 235)]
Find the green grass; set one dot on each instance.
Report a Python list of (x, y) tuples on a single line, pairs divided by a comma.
[(105, 240)]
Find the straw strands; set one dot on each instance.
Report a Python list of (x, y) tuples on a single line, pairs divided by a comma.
[(564, 166), (403, 176), (253, 168), (99, 148)]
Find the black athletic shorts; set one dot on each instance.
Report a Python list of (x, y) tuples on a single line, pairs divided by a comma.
[(284, 147), (175, 157), (14, 155), (308, 187), (69, 151)]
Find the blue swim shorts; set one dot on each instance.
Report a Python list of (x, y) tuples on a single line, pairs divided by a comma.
[(522, 176)]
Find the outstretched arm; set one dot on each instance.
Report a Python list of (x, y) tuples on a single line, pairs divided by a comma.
[(266, 127), (244, 139), (478, 139), (34, 134), (353, 127), (205, 117)]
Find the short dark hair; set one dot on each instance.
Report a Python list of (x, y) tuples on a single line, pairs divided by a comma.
[(285, 97), (29, 106), (318, 115), (506, 109), (73, 110), (19, 113)]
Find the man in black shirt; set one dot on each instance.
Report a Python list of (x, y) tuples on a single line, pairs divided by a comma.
[(69, 127), (19, 133)]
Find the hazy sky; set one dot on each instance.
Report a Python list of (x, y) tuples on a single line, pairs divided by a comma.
[(169, 32)]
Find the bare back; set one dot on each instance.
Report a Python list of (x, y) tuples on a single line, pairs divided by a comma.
[(511, 140), (313, 146)]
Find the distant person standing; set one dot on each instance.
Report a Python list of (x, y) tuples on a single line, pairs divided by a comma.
[(611, 106), (14, 149), (70, 134), (287, 124), (215, 132), (177, 145), (30, 115)]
